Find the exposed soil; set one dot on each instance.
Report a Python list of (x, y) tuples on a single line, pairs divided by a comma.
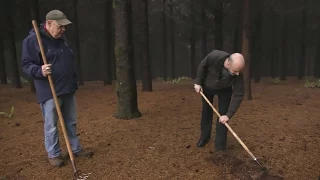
[(280, 126)]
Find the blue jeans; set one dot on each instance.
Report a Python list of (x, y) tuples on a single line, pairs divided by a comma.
[(68, 108)]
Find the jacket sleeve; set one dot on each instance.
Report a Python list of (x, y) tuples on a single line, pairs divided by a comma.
[(30, 60), (238, 93), (203, 67)]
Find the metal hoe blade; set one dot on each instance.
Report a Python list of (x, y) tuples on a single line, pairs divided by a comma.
[(81, 176), (77, 174)]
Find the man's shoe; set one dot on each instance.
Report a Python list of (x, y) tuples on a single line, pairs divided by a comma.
[(57, 162), (84, 153), (220, 149), (202, 142)]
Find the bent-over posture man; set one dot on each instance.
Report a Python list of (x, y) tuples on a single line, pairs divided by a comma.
[(61, 66), (219, 73)]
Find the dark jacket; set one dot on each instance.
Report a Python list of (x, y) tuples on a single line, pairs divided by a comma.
[(59, 55), (209, 73)]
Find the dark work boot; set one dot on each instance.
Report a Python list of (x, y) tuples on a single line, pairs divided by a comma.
[(57, 162), (202, 142), (84, 153), (220, 148)]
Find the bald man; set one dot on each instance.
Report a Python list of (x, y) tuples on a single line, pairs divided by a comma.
[(220, 74)]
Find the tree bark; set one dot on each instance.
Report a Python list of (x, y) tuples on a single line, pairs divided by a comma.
[(173, 43), (284, 57), (219, 25), (126, 88), (147, 77), (109, 46), (3, 72), (316, 70), (237, 40), (246, 50), (193, 41), (113, 45), (130, 36), (204, 28), (302, 59), (273, 69), (274, 57), (256, 43), (34, 11), (16, 81), (165, 43), (77, 42)]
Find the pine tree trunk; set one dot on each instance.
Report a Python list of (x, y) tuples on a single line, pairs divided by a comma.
[(275, 41), (34, 11), (284, 57), (302, 59), (16, 81), (3, 73), (77, 42), (173, 43), (113, 45), (193, 41), (237, 41), (256, 43), (165, 42), (126, 88), (273, 63), (204, 28), (219, 25), (316, 69), (246, 50), (109, 46), (147, 77)]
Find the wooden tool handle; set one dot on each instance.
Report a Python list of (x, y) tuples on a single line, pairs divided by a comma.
[(230, 129), (35, 26)]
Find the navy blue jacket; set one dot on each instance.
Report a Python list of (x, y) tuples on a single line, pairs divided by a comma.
[(59, 54)]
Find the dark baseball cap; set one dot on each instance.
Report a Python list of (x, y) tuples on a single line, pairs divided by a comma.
[(59, 16)]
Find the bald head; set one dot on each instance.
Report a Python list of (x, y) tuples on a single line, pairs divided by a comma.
[(235, 63)]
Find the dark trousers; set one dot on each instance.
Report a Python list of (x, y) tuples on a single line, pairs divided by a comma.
[(224, 99)]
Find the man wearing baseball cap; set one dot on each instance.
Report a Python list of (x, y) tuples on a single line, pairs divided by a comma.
[(58, 16), (62, 68)]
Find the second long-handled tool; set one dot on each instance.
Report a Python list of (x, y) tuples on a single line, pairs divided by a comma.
[(76, 173), (234, 134)]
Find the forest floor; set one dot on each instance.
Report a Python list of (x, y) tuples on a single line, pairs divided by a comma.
[(281, 127)]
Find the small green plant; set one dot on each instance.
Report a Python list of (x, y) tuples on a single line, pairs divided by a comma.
[(276, 80), (23, 80), (173, 81), (185, 78), (310, 84), (8, 115), (159, 78), (177, 80)]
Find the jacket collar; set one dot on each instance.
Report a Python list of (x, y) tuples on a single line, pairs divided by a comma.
[(220, 63)]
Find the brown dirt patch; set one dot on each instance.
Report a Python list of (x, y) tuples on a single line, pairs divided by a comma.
[(280, 126)]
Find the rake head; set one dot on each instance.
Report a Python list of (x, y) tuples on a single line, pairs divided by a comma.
[(78, 175)]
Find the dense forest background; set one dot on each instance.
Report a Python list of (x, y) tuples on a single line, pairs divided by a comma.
[(284, 35)]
